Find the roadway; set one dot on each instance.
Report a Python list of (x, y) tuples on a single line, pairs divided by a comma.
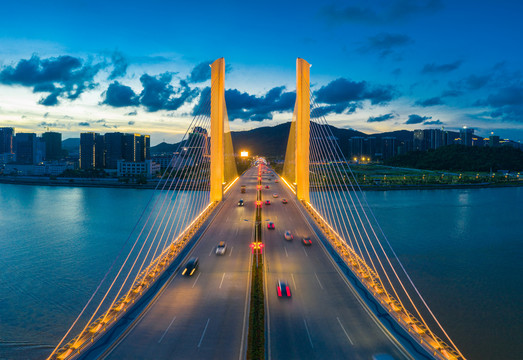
[(323, 319), (204, 316)]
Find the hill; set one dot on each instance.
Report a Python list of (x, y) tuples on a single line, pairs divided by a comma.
[(462, 158)]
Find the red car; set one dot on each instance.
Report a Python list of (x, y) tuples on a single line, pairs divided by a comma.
[(270, 226), (283, 289), (306, 241), (284, 201)]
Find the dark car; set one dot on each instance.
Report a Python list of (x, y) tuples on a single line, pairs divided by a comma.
[(267, 186), (283, 289), (240, 203), (267, 202), (270, 226), (191, 266), (306, 241), (284, 201)]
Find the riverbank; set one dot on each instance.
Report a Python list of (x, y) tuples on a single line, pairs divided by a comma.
[(153, 184)]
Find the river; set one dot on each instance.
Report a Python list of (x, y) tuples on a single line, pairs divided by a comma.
[(463, 249)]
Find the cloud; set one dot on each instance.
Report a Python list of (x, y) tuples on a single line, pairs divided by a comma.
[(159, 94), (84, 124), (381, 118), (451, 93), (63, 77), (382, 12), (385, 43), (433, 122), (430, 102), (416, 119), (131, 122), (119, 65), (201, 72), (507, 103), (247, 107), (439, 69), (132, 113), (118, 95), (349, 95)]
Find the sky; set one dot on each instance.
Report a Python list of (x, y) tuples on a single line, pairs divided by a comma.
[(142, 66)]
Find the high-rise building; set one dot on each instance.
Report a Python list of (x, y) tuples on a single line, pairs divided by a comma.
[(137, 147), (114, 149), (6, 140), (493, 140), (91, 151), (466, 135), (356, 146), (426, 139), (388, 145), (53, 145), (26, 148)]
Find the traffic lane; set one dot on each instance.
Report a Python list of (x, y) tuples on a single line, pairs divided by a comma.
[(322, 289), (175, 320)]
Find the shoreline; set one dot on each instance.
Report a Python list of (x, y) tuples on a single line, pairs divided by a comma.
[(152, 184)]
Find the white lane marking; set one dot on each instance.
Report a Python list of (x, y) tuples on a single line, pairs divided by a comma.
[(318, 280), (204, 330), (221, 282), (267, 308), (286, 253), (196, 279), (230, 252), (308, 333), (211, 251), (294, 282), (347, 335), (245, 311), (305, 252), (165, 332)]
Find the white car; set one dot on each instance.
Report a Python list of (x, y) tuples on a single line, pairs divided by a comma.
[(288, 235), (274, 195), (220, 249)]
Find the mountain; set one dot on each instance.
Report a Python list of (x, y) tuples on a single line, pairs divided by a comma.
[(72, 145)]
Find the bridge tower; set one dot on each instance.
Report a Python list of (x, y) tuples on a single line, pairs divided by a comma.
[(218, 114), (302, 112)]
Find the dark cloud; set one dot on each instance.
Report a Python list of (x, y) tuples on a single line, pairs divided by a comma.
[(507, 103), (451, 93), (119, 65), (321, 111), (131, 122), (247, 107), (385, 43), (118, 95), (430, 102), (63, 77), (350, 94), (381, 118), (433, 122), (201, 72), (159, 94), (84, 124), (382, 12), (417, 119), (396, 72), (443, 68), (132, 113)]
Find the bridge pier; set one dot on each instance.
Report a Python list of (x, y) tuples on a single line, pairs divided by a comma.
[(217, 128), (302, 110)]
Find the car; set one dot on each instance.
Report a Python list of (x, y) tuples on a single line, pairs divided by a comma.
[(276, 181), (382, 357), (274, 195), (267, 202), (283, 289), (267, 186), (270, 226), (306, 241), (284, 201), (190, 267), (240, 202), (220, 249), (288, 235)]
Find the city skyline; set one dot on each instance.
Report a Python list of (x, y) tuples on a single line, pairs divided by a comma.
[(136, 68)]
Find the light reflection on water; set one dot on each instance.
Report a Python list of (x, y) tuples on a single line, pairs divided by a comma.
[(461, 247)]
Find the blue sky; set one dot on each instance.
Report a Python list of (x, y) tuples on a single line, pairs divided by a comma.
[(377, 66)]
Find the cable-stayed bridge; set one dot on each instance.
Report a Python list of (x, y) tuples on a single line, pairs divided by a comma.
[(351, 296)]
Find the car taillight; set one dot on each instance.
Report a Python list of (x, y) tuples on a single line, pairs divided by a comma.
[(288, 291), (279, 291)]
